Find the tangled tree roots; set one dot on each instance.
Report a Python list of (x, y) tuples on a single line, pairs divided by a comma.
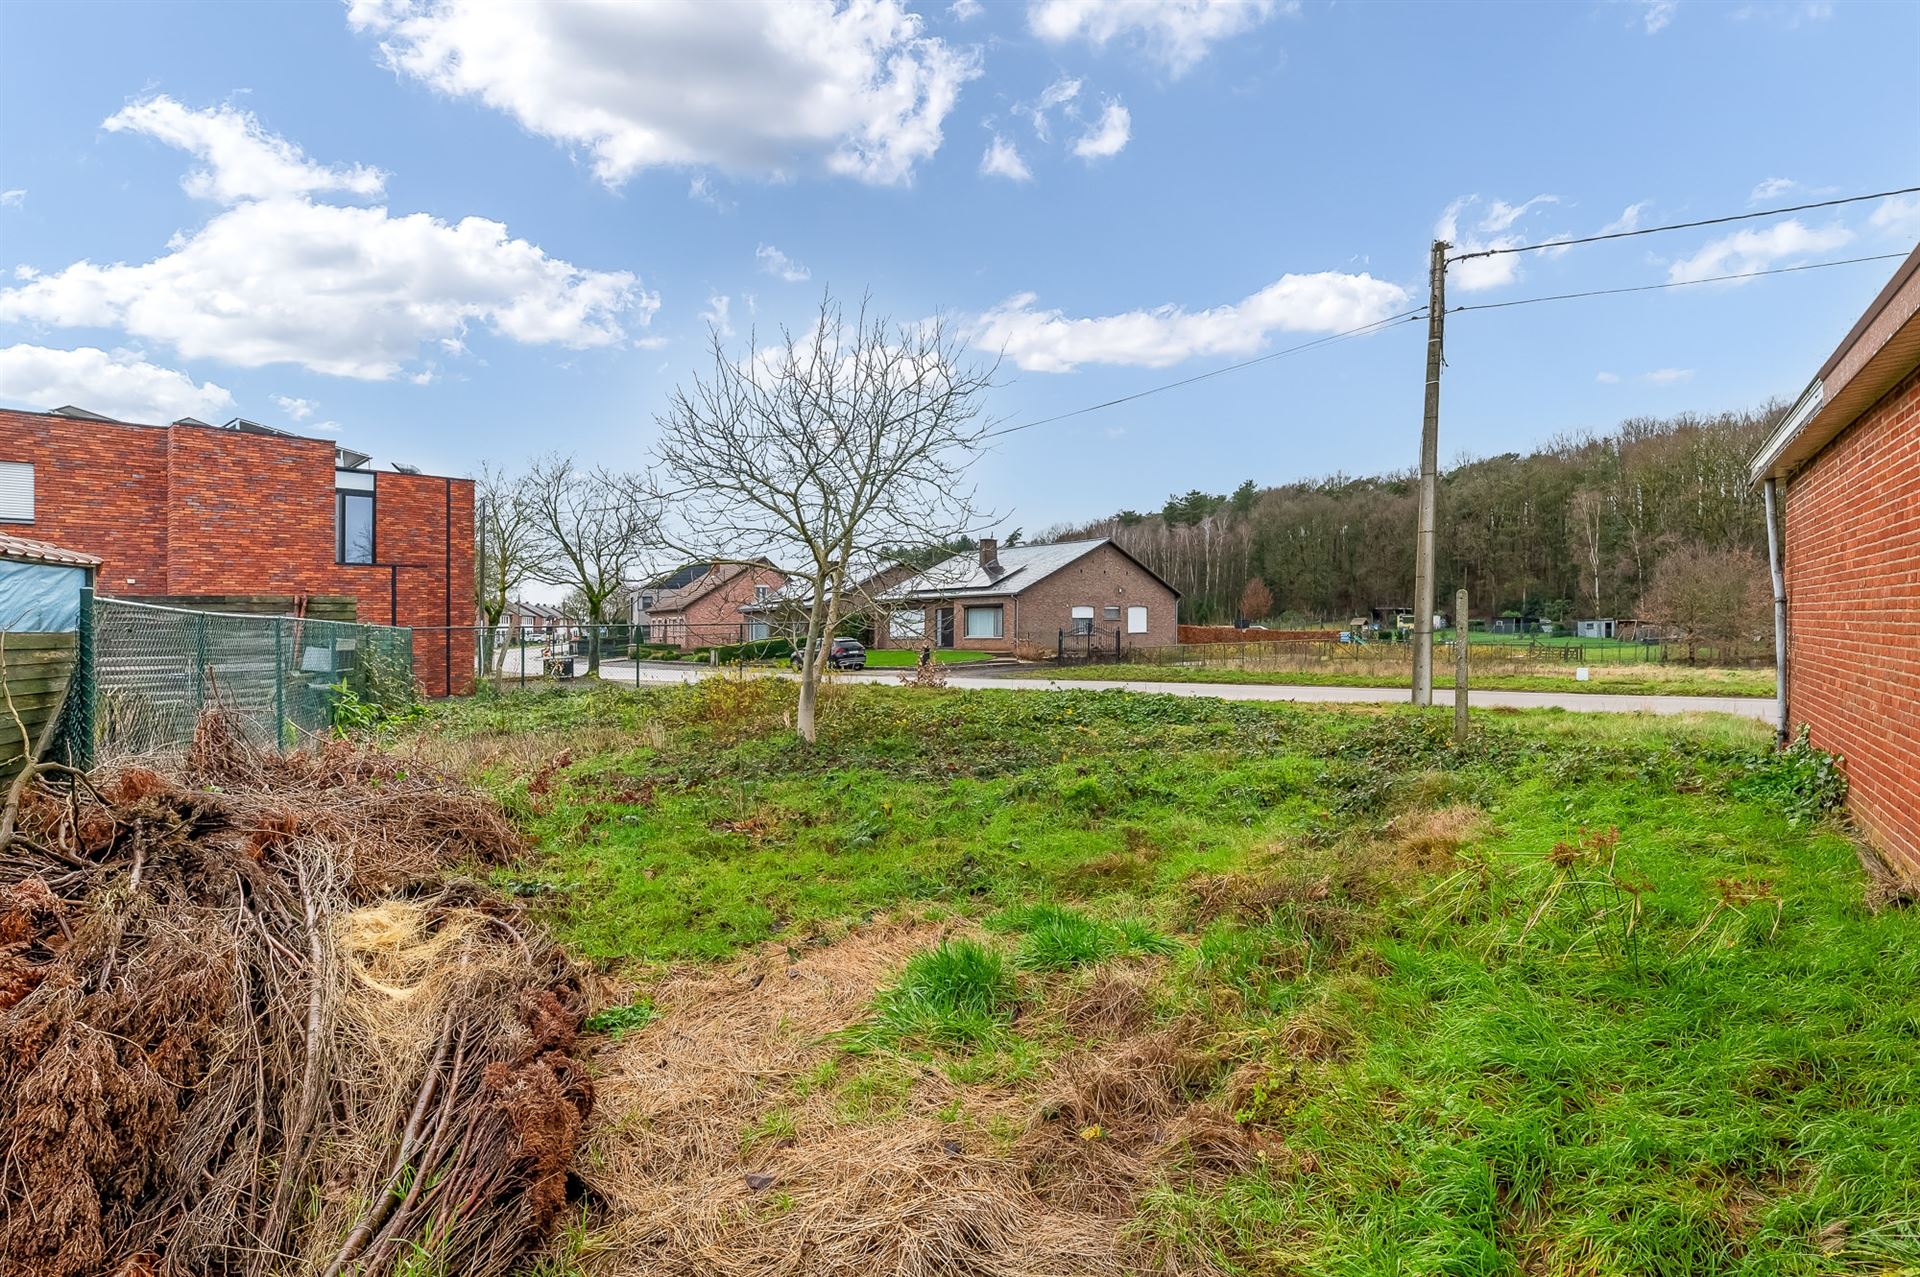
[(247, 1026)]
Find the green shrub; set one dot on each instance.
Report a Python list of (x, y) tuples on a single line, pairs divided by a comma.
[(1802, 780), (1056, 938)]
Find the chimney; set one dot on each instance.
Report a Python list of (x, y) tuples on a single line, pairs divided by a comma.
[(990, 555)]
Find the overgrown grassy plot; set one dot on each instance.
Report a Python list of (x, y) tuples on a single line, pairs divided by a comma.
[(1586, 1000)]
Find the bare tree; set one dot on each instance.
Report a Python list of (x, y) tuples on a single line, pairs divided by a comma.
[(822, 450), (593, 528), (1256, 600), (1710, 596), (509, 545)]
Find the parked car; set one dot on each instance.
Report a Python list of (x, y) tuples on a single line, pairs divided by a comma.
[(845, 654)]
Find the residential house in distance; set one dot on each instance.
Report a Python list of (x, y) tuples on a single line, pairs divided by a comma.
[(708, 609), (1842, 470), (243, 517), (786, 612), (990, 600)]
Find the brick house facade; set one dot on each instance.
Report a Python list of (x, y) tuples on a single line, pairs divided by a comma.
[(707, 612), (196, 511), (1848, 461), (995, 600)]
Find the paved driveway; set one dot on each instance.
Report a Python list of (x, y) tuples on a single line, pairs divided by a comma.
[(1755, 707)]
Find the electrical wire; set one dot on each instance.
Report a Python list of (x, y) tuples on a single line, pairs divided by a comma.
[(1678, 283), (1378, 325), (1680, 226)]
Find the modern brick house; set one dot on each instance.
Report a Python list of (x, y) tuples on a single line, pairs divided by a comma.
[(707, 608), (1847, 459), (194, 512), (995, 598)]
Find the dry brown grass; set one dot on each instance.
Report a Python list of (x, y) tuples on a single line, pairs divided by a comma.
[(249, 1026), (723, 1144)]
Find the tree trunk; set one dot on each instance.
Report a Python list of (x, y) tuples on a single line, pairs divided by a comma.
[(815, 658), (593, 639)]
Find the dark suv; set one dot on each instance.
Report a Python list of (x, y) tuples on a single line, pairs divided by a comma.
[(845, 654)]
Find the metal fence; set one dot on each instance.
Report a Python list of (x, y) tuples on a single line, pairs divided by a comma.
[(148, 671)]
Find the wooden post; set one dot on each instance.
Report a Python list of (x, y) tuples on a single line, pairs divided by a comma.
[(1423, 553), (1460, 669)]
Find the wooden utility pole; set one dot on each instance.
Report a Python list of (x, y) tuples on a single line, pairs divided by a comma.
[(1460, 669), (1423, 554)]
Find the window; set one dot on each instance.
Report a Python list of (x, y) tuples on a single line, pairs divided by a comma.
[(1112, 611), (353, 516), (16, 492), (760, 593), (757, 630), (1082, 621), (984, 622), (908, 625), (1136, 619)]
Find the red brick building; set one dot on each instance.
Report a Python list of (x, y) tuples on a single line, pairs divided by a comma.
[(194, 511), (1847, 460)]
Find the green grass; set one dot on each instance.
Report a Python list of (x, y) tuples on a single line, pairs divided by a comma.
[(890, 658), (1598, 994), (1617, 680)]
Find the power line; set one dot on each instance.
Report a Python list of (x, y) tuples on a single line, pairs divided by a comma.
[(1378, 325), (1678, 283), (1681, 226)]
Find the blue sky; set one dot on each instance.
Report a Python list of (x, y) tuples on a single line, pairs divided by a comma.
[(455, 232)]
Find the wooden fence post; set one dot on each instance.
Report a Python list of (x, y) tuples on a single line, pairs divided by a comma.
[(1460, 670)]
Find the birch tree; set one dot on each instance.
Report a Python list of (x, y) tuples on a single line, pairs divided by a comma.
[(821, 450), (593, 529)]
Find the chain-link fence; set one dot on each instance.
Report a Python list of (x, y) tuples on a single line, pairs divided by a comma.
[(150, 670)]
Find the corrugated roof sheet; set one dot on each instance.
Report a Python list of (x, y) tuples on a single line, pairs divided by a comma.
[(1020, 567), (25, 550)]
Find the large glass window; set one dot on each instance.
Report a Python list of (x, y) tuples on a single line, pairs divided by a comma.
[(908, 625), (353, 526), (1082, 620), (984, 622)]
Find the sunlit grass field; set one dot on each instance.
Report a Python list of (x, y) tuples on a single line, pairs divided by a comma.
[(1595, 995)]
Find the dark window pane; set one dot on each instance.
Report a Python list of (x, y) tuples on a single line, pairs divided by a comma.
[(354, 516)]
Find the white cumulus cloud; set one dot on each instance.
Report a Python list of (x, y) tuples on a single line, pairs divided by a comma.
[(118, 384), (296, 409), (1655, 15), (1898, 216), (1049, 341), (1108, 136), (1772, 188), (240, 159), (753, 86), (1002, 159), (1758, 249), (13, 199), (1176, 33), (354, 292), (780, 266), (1500, 215), (719, 305)]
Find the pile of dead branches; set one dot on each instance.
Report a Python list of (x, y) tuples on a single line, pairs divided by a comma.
[(250, 1024)]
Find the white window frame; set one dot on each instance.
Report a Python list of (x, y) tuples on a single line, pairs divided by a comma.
[(760, 593), (997, 611), (1111, 612), (1137, 618), (16, 492), (1082, 619)]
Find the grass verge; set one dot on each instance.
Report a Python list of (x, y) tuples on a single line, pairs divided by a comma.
[(1622, 680)]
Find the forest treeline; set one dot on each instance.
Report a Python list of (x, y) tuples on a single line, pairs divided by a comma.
[(1575, 528)]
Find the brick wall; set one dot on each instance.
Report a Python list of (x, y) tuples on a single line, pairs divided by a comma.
[(1099, 579), (1852, 526), (714, 618), (199, 511)]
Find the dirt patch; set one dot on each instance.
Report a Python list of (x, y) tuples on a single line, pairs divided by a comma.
[(723, 1142), (1428, 840)]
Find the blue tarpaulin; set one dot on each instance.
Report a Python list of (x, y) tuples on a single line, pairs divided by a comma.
[(40, 598)]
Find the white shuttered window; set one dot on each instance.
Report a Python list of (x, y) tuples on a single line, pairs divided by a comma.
[(16, 492)]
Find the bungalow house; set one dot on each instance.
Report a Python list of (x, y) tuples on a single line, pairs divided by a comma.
[(786, 612), (709, 608), (1843, 467), (1030, 594)]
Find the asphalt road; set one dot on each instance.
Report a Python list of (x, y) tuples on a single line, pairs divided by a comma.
[(1755, 707)]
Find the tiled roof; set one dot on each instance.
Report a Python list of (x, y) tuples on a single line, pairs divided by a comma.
[(20, 548), (1020, 567)]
